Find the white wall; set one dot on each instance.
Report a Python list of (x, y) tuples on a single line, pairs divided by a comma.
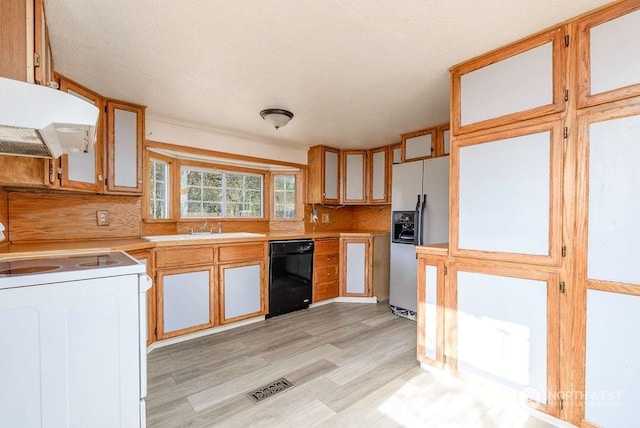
[(164, 131)]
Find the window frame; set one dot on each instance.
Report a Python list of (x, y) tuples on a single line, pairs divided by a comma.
[(224, 169)]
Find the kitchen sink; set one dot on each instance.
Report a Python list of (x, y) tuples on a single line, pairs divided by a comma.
[(189, 237)]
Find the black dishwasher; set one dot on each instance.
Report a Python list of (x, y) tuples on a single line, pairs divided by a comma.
[(290, 275)]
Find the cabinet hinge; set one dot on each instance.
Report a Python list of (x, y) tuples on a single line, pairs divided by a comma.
[(566, 40), (562, 287), (561, 404), (59, 173), (564, 251), (566, 95), (445, 270), (444, 359), (36, 60), (565, 133)]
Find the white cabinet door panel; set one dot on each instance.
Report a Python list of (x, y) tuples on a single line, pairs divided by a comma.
[(356, 267), (126, 148), (504, 194), (242, 291), (614, 179), (515, 84), (612, 359), (186, 300), (502, 331), (378, 175), (331, 163), (354, 176), (614, 56), (431, 312)]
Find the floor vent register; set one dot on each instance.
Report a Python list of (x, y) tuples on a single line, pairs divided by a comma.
[(269, 390)]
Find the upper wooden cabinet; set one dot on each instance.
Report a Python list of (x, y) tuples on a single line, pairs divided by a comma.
[(609, 63), (24, 42), (354, 183), (418, 145), (379, 172), (520, 81), (323, 175), (82, 171), (125, 135)]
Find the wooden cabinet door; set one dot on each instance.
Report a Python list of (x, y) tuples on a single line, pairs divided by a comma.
[(507, 329), (354, 177), (185, 300), (125, 135), (518, 82), (431, 310), (16, 40), (83, 171), (379, 172), (323, 175), (506, 202), (355, 258), (418, 145), (609, 60), (331, 171), (242, 290)]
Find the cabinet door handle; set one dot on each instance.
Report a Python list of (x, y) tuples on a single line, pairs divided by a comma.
[(139, 180)]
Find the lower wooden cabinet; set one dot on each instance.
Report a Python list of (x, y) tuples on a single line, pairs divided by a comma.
[(185, 300), (242, 294), (201, 287), (364, 266), (326, 260)]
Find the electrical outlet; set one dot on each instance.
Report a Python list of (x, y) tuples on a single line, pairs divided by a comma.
[(325, 217), (102, 217)]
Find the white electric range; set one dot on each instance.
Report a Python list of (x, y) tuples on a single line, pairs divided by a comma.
[(73, 333)]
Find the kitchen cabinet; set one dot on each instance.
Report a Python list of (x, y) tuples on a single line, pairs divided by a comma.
[(418, 145), (326, 260), (323, 175), (42, 57), (186, 300), (431, 309), (354, 177), (518, 82), (378, 167), (242, 275), (610, 71), (364, 266), (443, 140), (506, 201), (396, 152), (185, 280), (82, 171), (125, 137)]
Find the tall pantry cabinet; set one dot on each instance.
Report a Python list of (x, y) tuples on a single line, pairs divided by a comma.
[(542, 289)]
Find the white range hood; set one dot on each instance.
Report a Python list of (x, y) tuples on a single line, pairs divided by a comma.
[(43, 122)]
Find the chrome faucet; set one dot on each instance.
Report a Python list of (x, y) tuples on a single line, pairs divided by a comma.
[(219, 227), (204, 225)]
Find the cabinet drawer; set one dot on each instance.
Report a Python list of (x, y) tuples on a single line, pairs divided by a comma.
[(325, 259), (238, 252), (327, 246), (185, 256), (325, 290), (326, 273)]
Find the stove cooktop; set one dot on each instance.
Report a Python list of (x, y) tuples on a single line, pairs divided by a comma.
[(31, 271)]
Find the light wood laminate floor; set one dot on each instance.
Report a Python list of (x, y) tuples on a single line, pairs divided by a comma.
[(352, 365)]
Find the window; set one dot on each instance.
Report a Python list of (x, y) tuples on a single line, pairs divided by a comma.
[(213, 193), (159, 189), (284, 196)]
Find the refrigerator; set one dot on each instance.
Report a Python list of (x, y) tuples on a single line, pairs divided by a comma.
[(420, 206)]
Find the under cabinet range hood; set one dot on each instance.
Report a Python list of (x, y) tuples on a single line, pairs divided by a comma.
[(43, 122)]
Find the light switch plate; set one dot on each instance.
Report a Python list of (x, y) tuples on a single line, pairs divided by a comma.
[(102, 217), (325, 217)]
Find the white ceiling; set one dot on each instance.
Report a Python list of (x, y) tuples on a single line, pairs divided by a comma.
[(356, 73)]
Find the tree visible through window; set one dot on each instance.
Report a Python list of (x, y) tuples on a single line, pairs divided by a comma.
[(159, 194), (212, 193), (284, 196)]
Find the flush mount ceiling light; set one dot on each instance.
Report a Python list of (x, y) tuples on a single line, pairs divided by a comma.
[(276, 117)]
